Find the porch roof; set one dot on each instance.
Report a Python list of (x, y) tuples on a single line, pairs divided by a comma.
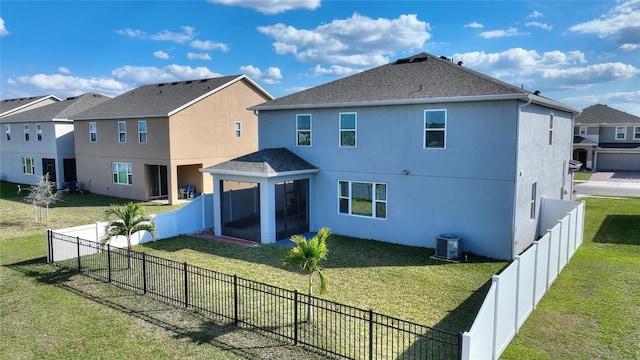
[(268, 163)]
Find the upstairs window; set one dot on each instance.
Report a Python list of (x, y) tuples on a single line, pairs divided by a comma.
[(532, 214), (142, 131), (26, 132), (93, 132), (362, 199), (7, 129), (238, 129), (621, 133), (39, 132), (122, 173), (303, 130), (435, 128), (583, 130), (122, 132), (348, 128), (636, 133), (550, 129)]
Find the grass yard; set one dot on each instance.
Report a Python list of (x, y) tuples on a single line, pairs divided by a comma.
[(47, 312), (592, 311), (582, 175)]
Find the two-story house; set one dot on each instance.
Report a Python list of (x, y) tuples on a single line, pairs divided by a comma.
[(149, 143), (607, 139), (38, 139), (403, 153)]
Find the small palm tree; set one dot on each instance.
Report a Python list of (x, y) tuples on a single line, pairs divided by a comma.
[(307, 256), (130, 220)]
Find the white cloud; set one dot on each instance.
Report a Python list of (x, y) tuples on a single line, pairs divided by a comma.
[(271, 7), (335, 70), (270, 76), (535, 14), (187, 34), (629, 47), (71, 85), (3, 29), (132, 33), (209, 45), (198, 56), (136, 75), (500, 33), (474, 25), (548, 70), (621, 24), (543, 26), (64, 70), (161, 55), (358, 41)]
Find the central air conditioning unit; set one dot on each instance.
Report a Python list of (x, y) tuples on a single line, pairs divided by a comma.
[(448, 247)]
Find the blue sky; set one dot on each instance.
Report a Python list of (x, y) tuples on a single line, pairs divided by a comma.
[(578, 52)]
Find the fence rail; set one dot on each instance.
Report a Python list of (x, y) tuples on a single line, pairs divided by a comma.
[(336, 329)]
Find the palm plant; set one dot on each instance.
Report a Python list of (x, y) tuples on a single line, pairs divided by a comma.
[(307, 256), (130, 220)]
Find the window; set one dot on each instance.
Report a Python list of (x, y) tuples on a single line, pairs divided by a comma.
[(435, 127), (362, 199), (636, 133), (583, 130), (142, 131), (238, 129), (93, 132), (7, 129), (122, 173), (28, 165), (39, 132), (551, 129), (303, 130), (348, 128), (26, 132), (122, 131), (621, 133), (533, 200)]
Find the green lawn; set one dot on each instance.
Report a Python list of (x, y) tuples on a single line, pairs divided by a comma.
[(582, 176), (47, 312), (592, 311)]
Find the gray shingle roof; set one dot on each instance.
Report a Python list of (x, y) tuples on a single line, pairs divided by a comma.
[(267, 162), (422, 76), (9, 105), (157, 99), (602, 114), (582, 141), (62, 110)]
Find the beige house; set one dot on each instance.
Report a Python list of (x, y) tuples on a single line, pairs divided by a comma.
[(150, 142)]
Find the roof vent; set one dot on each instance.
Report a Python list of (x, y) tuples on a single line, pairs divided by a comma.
[(175, 83), (419, 59), (537, 92), (203, 80), (160, 85), (403, 61), (460, 63)]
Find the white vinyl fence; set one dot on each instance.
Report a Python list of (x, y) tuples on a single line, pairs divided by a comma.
[(195, 216), (516, 291)]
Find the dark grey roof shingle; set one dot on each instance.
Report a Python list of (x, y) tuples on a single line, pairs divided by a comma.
[(155, 99), (59, 110), (602, 114), (265, 161), (422, 76), (7, 105)]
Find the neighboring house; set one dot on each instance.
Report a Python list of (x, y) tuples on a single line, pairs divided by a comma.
[(12, 106), (149, 143), (39, 140), (403, 153), (607, 139)]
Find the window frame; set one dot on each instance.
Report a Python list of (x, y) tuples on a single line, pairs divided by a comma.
[(426, 129), (28, 170), (354, 130), (122, 133), (237, 127), (300, 130), (533, 201), (39, 132), (582, 130), (624, 133), (142, 132), (115, 169), (376, 199), (551, 129), (7, 129), (636, 133), (93, 131), (26, 132)]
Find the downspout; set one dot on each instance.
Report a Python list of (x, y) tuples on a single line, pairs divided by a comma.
[(514, 228)]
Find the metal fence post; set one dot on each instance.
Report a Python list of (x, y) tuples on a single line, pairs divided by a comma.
[(186, 286), (78, 247), (295, 317), (370, 334), (49, 246), (235, 299), (109, 262), (144, 273)]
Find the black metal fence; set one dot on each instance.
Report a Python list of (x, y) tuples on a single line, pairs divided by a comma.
[(333, 328)]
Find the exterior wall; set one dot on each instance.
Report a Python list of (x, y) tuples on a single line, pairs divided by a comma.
[(466, 189), (540, 163), (55, 144), (608, 135)]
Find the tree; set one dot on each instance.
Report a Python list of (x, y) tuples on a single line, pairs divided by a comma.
[(42, 195), (307, 255), (130, 220)]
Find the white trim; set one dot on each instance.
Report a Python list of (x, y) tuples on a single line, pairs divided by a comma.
[(258, 174), (615, 136), (96, 131), (121, 132), (374, 200), (636, 133), (310, 130), (425, 130), (237, 129), (580, 128), (355, 130)]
